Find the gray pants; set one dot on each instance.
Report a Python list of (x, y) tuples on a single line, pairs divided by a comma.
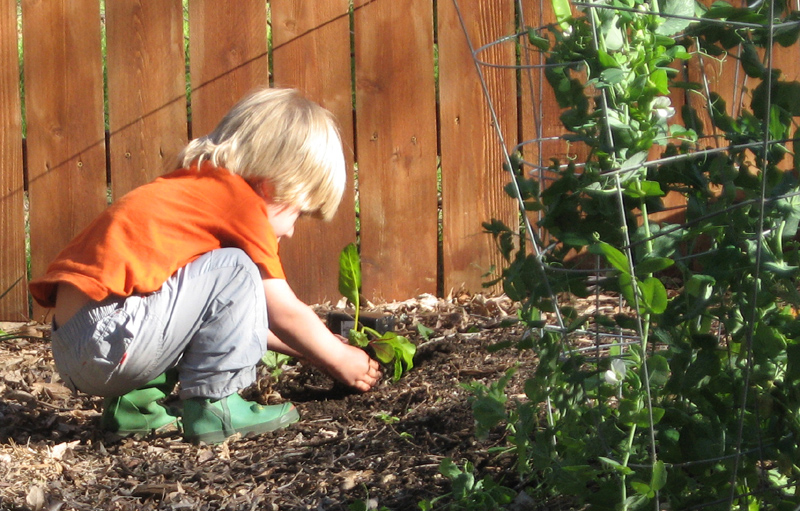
[(209, 320)]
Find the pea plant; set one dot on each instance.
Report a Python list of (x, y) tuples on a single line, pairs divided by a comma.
[(701, 409), (388, 348)]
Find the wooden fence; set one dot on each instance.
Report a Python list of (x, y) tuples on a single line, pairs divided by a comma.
[(399, 76), (89, 136)]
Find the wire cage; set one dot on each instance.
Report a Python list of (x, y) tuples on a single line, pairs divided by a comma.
[(657, 183)]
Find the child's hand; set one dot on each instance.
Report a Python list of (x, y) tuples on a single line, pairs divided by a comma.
[(352, 366), (296, 329)]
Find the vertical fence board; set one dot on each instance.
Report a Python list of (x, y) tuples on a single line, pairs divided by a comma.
[(146, 89), (64, 112), (471, 155), (320, 34), (396, 147), (227, 57), (12, 220)]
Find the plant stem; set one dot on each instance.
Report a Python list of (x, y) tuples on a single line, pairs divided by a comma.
[(625, 458)]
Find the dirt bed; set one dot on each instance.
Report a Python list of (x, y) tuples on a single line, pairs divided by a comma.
[(382, 448)]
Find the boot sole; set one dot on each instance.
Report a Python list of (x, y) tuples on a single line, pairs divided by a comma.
[(166, 430), (216, 437)]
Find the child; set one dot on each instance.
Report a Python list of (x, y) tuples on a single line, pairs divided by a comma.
[(180, 280)]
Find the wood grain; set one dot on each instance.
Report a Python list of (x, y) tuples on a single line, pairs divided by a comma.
[(227, 56), (64, 111), (14, 304), (321, 34), (471, 153), (146, 90), (396, 147)]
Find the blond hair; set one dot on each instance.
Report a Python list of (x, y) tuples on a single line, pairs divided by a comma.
[(278, 137)]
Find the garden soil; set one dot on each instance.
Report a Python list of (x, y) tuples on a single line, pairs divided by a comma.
[(373, 450)]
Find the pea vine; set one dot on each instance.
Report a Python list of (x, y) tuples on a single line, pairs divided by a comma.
[(691, 396)]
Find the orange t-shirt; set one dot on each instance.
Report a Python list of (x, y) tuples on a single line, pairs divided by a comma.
[(136, 244)]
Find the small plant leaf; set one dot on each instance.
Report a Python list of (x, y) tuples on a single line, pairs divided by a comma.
[(650, 265), (539, 42), (424, 331), (659, 477), (383, 350), (615, 466), (672, 25), (614, 257), (359, 338), (449, 469), (350, 274), (626, 287), (643, 189), (640, 487), (654, 294)]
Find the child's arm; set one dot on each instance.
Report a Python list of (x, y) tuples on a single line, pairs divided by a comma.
[(297, 326)]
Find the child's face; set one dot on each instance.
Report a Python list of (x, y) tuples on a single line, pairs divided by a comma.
[(282, 217)]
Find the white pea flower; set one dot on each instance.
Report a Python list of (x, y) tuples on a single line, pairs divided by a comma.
[(662, 107), (616, 374)]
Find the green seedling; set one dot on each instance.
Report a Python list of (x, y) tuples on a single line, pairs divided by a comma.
[(424, 331), (275, 362), (387, 418), (389, 348), (469, 493)]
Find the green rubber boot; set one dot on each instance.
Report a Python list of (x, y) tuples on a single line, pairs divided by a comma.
[(138, 412), (213, 420)]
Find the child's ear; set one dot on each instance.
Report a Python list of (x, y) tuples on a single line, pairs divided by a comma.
[(264, 188)]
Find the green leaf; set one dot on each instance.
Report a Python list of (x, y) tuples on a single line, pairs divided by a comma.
[(405, 351), (607, 60), (615, 466), (613, 76), (659, 370), (751, 61), (383, 350), (643, 189), (359, 505), (539, 42), (449, 469), (358, 338), (783, 94), (700, 285), (768, 342), (563, 13), (659, 478), (650, 265), (626, 287), (654, 294), (424, 331), (787, 34), (660, 80), (672, 25), (636, 502), (350, 274), (614, 257)]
